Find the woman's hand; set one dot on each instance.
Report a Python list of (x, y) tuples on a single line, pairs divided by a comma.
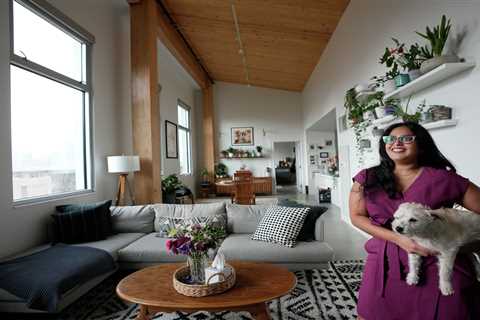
[(411, 246)]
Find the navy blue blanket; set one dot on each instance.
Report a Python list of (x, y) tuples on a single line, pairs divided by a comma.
[(41, 278)]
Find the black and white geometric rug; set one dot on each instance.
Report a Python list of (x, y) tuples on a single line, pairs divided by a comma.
[(327, 294)]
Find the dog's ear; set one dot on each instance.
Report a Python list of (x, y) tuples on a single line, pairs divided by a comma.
[(434, 215)]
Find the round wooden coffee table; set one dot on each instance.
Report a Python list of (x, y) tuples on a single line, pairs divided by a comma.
[(257, 283)]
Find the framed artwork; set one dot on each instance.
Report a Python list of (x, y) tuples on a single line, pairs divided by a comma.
[(171, 137), (323, 155), (329, 143), (242, 136)]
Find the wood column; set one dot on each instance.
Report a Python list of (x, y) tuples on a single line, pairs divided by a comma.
[(145, 102), (208, 130)]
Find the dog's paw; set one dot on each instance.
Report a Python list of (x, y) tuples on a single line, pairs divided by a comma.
[(412, 279), (446, 289)]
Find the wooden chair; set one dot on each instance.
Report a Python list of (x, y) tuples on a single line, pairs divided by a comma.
[(243, 192)]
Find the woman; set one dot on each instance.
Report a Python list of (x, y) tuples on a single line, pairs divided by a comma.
[(412, 169)]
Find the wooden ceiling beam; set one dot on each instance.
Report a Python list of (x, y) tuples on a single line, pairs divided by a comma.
[(179, 48)]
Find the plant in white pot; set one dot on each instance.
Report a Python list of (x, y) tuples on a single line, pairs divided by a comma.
[(433, 56), (389, 78)]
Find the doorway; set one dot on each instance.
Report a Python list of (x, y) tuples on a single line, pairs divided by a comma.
[(285, 166)]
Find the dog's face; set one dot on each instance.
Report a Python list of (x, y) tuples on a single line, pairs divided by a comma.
[(412, 219)]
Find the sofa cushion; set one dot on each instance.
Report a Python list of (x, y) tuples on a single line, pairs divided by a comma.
[(281, 225), (114, 243), (163, 211), (241, 247), (307, 233), (244, 218), (149, 248), (77, 223), (136, 219)]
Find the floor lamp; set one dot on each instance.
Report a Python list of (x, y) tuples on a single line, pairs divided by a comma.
[(123, 165)]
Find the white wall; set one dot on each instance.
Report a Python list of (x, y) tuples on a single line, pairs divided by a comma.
[(274, 114), (352, 56), (176, 84), (25, 226)]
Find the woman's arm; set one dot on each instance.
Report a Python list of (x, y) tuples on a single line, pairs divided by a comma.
[(471, 198), (360, 219)]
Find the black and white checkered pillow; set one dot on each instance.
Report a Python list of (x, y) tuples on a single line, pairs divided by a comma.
[(281, 225)]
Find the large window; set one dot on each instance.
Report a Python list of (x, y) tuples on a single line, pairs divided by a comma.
[(50, 103), (184, 138)]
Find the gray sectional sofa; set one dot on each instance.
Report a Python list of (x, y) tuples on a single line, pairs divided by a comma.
[(137, 243)]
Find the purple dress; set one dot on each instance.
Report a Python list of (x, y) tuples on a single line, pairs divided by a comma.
[(384, 294)]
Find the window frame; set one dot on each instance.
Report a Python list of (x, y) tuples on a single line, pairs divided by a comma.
[(52, 15), (186, 107)]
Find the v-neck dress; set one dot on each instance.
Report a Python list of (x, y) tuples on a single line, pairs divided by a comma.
[(384, 294)]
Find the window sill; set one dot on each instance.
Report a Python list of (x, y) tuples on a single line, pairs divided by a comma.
[(48, 199)]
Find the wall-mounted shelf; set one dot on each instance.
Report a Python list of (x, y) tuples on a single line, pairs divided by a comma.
[(438, 74), (362, 96), (246, 158), (428, 125)]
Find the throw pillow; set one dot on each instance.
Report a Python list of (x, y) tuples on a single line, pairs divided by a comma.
[(77, 223), (281, 225), (307, 233)]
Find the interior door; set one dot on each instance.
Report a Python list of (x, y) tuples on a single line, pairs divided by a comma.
[(299, 165)]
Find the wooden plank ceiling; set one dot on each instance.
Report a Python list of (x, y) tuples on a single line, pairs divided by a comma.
[(282, 39)]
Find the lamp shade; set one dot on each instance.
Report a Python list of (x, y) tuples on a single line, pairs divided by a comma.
[(123, 164)]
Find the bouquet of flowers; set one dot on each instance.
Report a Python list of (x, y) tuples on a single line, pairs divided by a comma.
[(194, 241)]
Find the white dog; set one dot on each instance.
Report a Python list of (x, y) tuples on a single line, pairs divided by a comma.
[(443, 230)]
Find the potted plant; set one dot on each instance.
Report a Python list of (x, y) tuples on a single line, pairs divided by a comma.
[(412, 117), (388, 59), (433, 56), (412, 61), (354, 107), (169, 185), (259, 150), (224, 153), (232, 152), (393, 58), (205, 176), (221, 170)]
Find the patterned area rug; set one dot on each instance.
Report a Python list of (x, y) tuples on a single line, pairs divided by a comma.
[(328, 294)]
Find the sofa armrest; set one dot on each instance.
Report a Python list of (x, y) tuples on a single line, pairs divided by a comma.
[(320, 230)]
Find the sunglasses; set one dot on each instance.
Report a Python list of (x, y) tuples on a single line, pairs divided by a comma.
[(402, 139)]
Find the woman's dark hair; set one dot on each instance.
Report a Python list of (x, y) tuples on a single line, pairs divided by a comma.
[(428, 156)]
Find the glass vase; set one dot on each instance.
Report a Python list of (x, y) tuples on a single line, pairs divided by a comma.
[(197, 264)]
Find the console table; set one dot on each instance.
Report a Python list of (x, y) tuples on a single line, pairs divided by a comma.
[(261, 185)]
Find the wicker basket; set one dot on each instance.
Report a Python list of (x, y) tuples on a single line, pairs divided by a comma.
[(202, 290)]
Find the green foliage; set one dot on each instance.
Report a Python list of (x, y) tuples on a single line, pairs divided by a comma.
[(204, 172), (171, 183), (405, 115), (259, 149), (411, 59), (437, 38), (221, 170)]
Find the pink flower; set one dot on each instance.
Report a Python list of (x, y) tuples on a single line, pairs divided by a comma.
[(169, 244)]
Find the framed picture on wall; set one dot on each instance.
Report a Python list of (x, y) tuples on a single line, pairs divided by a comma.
[(242, 136), (323, 155), (171, 136)]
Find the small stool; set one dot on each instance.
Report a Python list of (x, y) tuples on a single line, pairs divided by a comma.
[(204, 190)]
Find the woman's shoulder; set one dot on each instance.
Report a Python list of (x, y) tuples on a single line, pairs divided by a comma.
[(446, 175), (362, 176)]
